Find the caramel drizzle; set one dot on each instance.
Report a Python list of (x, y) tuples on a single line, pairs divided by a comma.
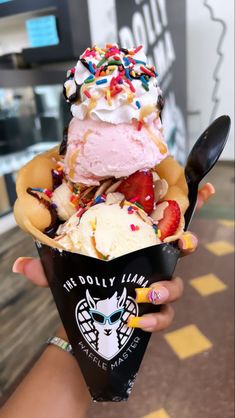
[(160, 144), (144, 112), (73, 157), (98, 253), (72, 162), (92, 104)]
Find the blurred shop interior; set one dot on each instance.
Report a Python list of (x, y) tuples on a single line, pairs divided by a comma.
[(192, 45)]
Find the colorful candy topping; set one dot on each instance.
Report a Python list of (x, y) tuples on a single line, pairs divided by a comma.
[(113, 76), (47, 192), (134, 227)]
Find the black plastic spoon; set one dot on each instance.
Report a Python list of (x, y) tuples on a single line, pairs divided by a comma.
[(203, 157)]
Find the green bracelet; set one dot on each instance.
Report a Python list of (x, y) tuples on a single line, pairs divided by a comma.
[(62, 344)]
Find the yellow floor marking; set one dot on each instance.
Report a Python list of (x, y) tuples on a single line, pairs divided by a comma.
[(161, 413), (208, 284), (226, 222), (220, 247), (187, 341)]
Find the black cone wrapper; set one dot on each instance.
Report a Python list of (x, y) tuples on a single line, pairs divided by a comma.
[(95, 299)]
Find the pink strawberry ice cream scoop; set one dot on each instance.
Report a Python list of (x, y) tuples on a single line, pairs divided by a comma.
[(97, 150), (116, 104)]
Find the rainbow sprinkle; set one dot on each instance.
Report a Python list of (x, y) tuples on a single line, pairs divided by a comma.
[(121, 65), (100, 199), (87, 94), (139, 125), (134, 199), (102, 81), (130, 210), (134, 227), (91, 68), (89, 79), (101, 62), (47, 192)]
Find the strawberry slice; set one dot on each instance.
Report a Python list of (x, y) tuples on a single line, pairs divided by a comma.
[(171, 219), (139, 187)]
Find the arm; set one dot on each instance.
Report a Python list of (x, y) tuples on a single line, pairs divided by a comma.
[(53, 388)]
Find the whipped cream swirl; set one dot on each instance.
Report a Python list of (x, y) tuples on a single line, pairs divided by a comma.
[(113, 85)]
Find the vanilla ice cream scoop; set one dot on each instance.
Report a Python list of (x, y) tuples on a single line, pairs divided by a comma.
[(108, 230)]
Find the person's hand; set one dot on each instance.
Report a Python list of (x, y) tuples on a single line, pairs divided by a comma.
[(204, 194), (188, 241), (166, 292), (160, 293), (32, 269)]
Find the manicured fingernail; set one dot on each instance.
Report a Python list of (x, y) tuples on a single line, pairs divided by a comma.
[(188, 241), (19, 265), (142, 322), (155, 295)]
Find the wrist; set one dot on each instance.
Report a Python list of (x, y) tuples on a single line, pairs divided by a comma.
[(60, 332)]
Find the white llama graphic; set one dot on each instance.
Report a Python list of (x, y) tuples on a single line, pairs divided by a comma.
[(103, 322), (107, 315)]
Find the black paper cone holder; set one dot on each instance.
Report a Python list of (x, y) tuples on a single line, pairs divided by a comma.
[(95, 299)]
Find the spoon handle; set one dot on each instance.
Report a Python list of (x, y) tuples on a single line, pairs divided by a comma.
[(192, 196), (203, 157)]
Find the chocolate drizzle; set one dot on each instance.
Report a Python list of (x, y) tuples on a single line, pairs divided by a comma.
[(160, 105), (75, 96), (63, 145), (83, 61), (51, 229), (57, 178), (124, 50), (70, 74)]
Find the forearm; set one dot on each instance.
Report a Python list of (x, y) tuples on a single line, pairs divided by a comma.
[(53, 388)]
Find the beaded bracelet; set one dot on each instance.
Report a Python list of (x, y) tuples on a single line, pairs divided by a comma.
[(62, 344)]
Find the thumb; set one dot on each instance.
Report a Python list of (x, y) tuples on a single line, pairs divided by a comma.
[(32, 269)]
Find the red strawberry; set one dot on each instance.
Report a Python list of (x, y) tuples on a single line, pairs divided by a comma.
[(139, 186), (170, 222)]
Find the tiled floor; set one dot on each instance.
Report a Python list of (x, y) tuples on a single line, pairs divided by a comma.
[(188, 370)]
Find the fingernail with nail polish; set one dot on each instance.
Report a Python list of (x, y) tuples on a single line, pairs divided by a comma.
[(158, 295), (155, 295), (142, 322)]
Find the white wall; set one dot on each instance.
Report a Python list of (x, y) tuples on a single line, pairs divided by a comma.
[(203, 36)]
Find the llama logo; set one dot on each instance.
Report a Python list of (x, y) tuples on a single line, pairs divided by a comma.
[(102, 322)]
